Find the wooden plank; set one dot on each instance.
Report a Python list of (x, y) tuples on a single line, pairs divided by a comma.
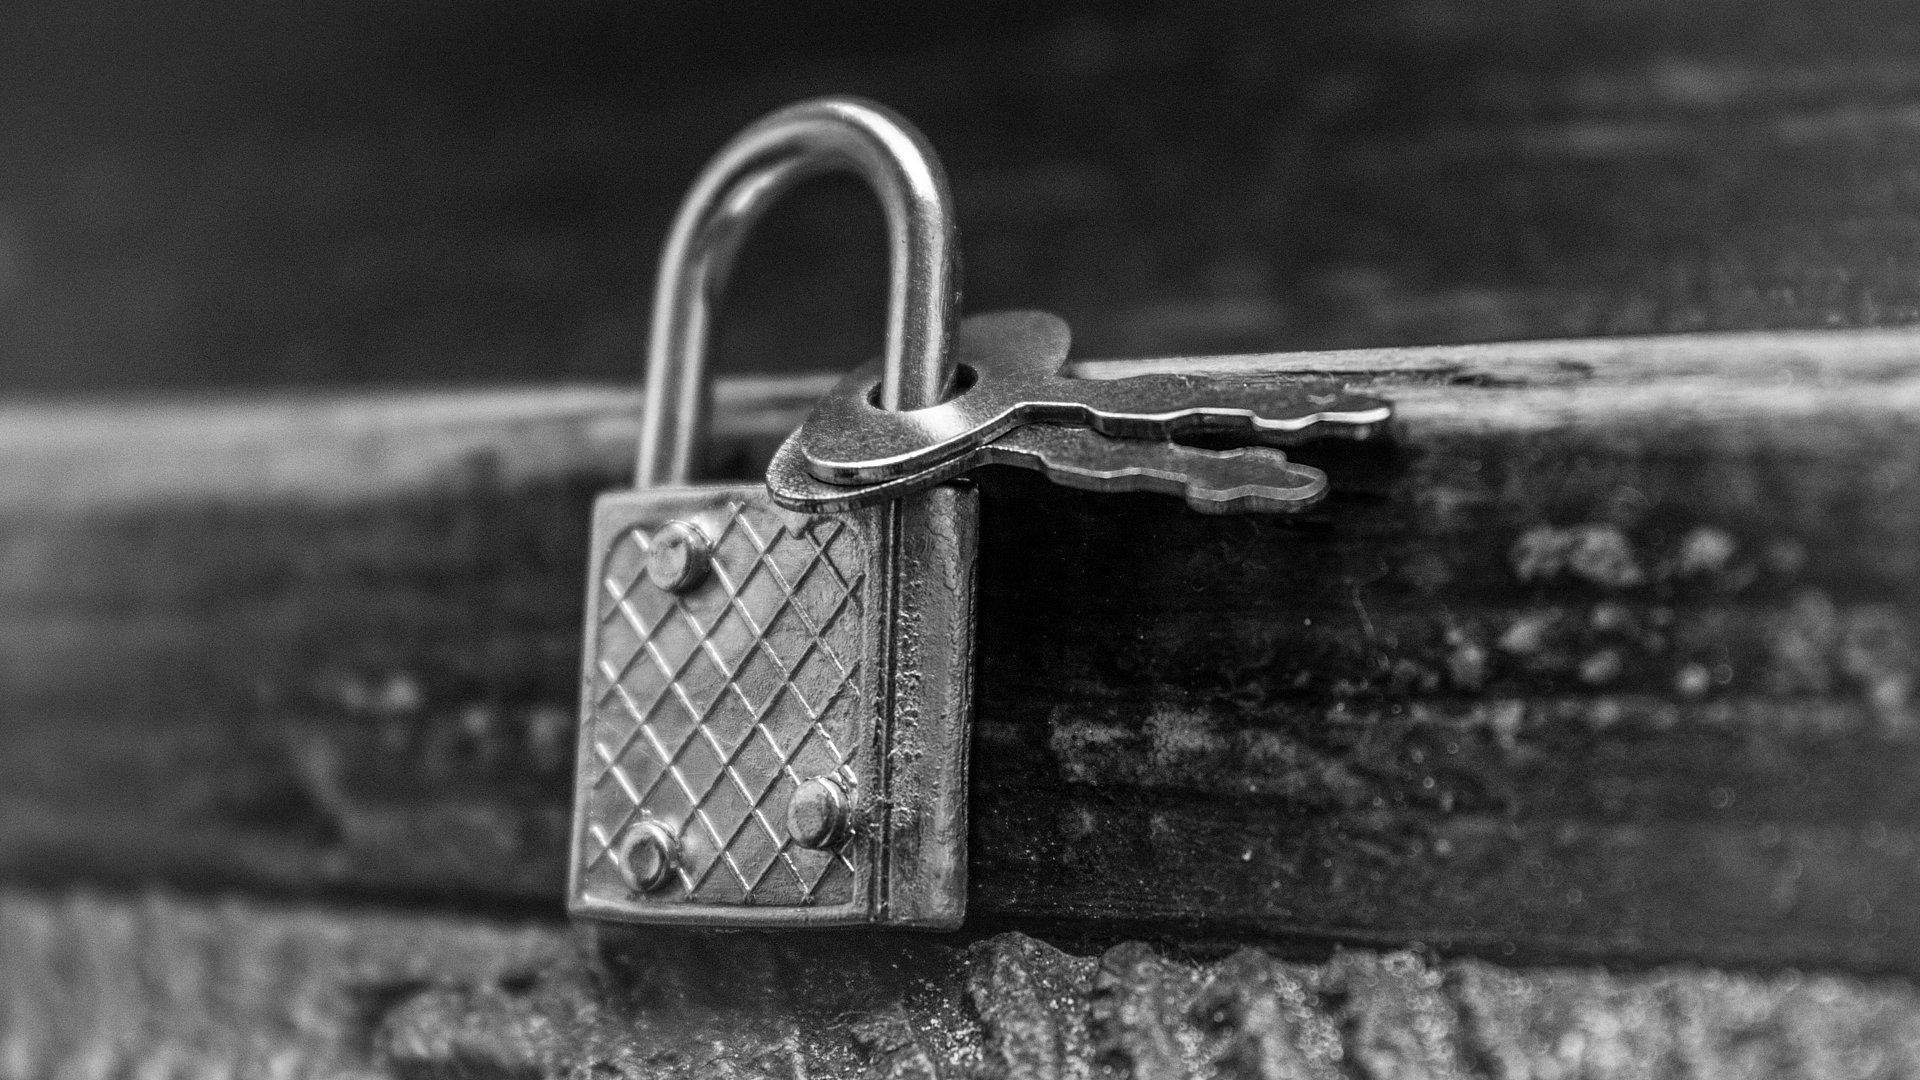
[(100, 985), (1610, 651), (63, 457)]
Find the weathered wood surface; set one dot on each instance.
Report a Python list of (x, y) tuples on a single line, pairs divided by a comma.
[(1609, 652), (97, 986)]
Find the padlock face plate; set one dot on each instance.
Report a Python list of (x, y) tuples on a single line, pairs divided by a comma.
[(706, 707)]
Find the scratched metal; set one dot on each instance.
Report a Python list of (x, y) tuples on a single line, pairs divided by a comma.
[(1012, 372), (1241, 480), (704, 710), (816, 653)]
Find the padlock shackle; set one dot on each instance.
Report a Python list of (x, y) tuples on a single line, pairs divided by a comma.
[(737, 186)]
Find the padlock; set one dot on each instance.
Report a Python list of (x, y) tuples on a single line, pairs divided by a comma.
[(775, 706)]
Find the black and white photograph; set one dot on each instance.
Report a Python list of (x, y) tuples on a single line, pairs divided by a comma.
[(1304, 540)]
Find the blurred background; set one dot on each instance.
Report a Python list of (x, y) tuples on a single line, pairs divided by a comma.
[(208, 194), (1587, 670)]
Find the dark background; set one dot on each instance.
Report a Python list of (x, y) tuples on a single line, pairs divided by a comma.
[(211, 193), (1587, 664)]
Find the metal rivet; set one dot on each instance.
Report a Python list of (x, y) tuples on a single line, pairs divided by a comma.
[(679, 556), (819, 814), (646, 856)]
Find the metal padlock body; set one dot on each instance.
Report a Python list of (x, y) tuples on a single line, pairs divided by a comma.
[(812, 648), (817, 645)]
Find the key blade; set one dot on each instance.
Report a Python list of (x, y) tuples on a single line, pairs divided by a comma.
[(1015, 360), (1166, 406), (1244, 480)]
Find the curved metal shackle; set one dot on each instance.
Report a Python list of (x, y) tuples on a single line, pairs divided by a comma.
[(737, 186)]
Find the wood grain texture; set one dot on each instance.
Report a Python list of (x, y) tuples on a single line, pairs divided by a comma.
[(1587, 660), (99, 985)]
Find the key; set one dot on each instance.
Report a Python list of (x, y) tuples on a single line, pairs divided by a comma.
[(1010, 366), (1244, 480)]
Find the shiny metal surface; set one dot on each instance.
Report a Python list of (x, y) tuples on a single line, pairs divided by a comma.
[(1243, 480), (705, 708), (1014, 360), (819, 814), (746, 668), (817, 646), (680, 556), (776, 706), (647, 855), (737, 186)]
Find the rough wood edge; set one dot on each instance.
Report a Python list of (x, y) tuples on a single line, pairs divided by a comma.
[(79, 456), (167, 985)]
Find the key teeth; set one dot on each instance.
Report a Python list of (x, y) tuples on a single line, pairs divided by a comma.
[(1255, 497), (1347, 416), (1050, 450)]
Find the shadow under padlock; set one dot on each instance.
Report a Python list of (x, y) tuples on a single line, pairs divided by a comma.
[(775, 705)]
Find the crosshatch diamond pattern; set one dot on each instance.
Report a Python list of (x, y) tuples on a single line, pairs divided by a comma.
[(710, 707)]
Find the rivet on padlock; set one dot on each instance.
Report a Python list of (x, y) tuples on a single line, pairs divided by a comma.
[(647, 855), (820, 814), (739, 680), (679, 556)]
